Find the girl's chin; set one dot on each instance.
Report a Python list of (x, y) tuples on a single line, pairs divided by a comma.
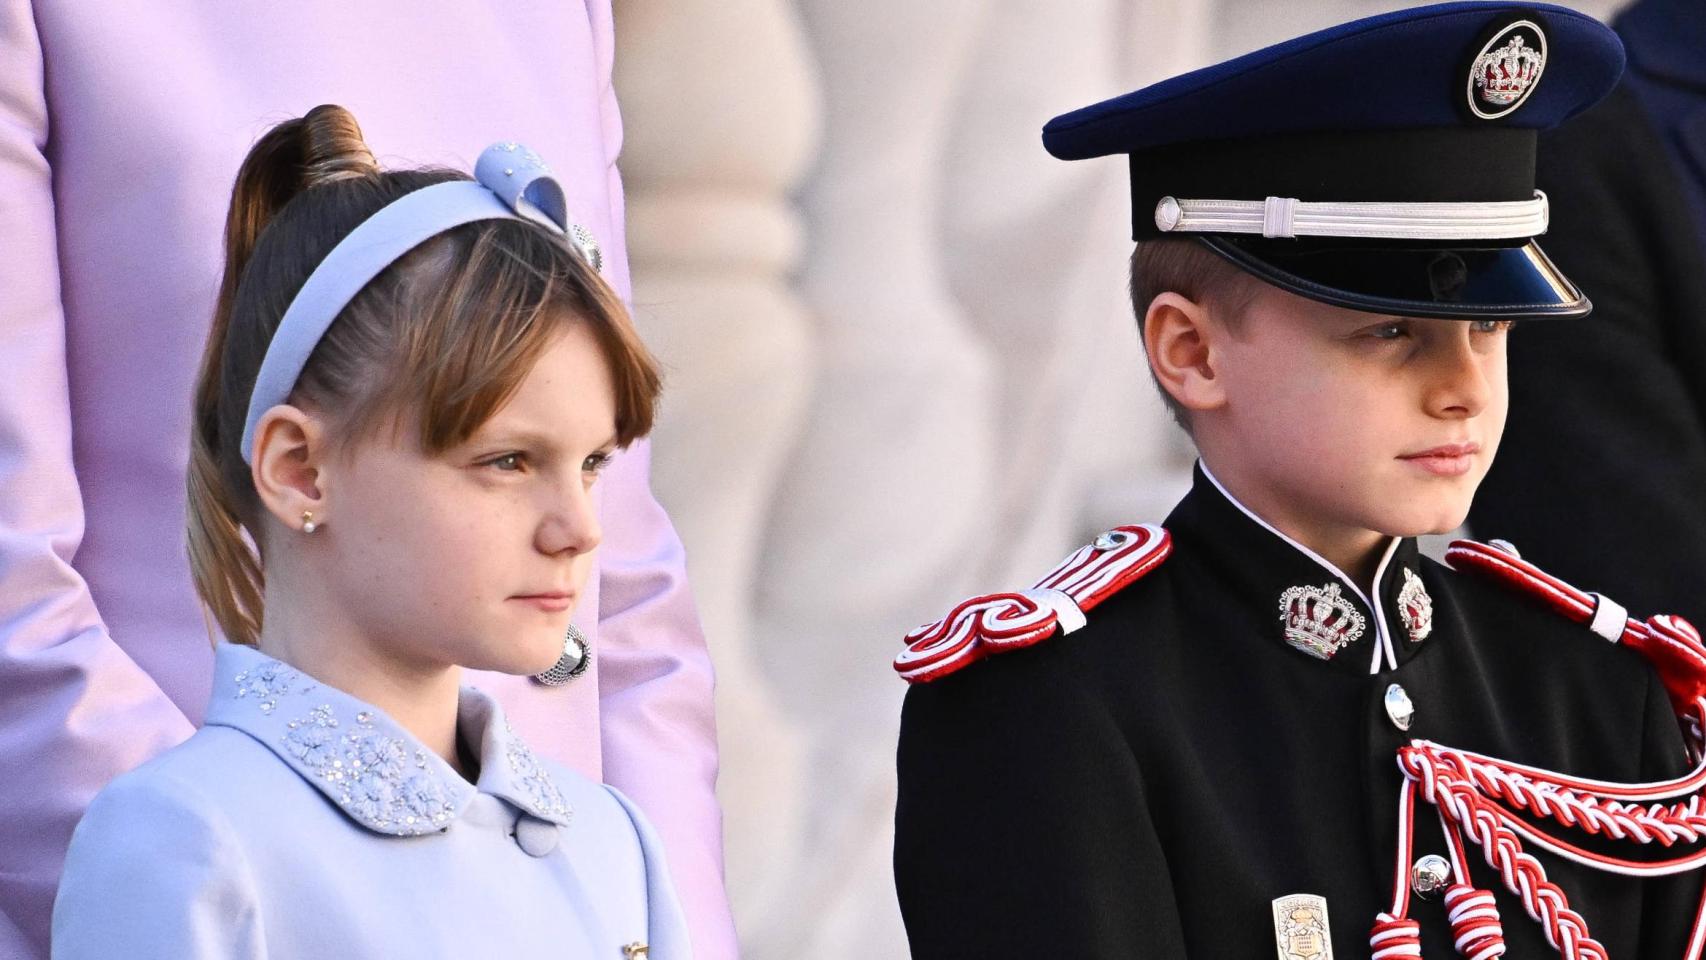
[(518, 663)]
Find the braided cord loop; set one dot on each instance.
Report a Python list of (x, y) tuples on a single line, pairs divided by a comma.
[(1394, 938), (1475, 927)]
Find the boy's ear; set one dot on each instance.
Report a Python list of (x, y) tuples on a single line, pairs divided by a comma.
[(1181, 342), (288, 468)]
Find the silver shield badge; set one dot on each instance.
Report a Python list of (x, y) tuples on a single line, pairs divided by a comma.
[(1300, 927), (1507, 70)]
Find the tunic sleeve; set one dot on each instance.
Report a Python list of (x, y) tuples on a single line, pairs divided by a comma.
[(1022, 829), (1668, 904), (155, 872)]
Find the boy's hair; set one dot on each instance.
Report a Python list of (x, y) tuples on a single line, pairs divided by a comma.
[(1193, 271), (438, 342)]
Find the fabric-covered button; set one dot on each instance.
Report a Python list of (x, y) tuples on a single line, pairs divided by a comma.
[(534, 836), (1399, 709)]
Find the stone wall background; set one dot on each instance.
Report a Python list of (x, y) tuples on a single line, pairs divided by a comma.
[(901, 366)]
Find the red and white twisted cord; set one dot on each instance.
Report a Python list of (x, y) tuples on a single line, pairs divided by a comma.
[(1459, 803), (1594, 807), (1395, 936), (1454, 782), (1476, 929)]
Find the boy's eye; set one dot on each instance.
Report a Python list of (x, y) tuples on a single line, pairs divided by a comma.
[(595, 463), (1389, 331), (508, 463), (1489, 326)]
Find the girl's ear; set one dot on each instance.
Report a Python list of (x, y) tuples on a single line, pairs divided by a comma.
[(289, 463), (1180, 340)]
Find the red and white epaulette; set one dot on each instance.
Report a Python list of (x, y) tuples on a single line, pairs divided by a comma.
[(1055, 604), (1672, 644)]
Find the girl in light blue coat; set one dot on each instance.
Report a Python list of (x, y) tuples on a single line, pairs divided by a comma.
[(412, 382)]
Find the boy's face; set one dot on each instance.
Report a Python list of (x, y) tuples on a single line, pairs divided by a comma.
[(1356, 421)]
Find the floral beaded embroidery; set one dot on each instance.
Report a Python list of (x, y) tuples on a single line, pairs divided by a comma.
[(371, 769), (268, 682), (377, 780), (534, 778)]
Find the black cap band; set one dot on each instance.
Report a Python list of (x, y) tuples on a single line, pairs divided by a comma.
[(1435, 165)]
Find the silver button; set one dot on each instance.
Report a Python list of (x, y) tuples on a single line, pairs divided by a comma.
[(1430, 876), (1398, 707), (534, 836), (1112, 540), (1168, 213)]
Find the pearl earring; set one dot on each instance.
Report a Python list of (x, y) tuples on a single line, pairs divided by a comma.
[(308, 524)]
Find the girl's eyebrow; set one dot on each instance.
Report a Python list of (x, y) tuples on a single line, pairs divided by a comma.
[(533, 439)]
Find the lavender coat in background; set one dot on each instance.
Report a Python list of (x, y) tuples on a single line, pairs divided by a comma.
[(121, 129)]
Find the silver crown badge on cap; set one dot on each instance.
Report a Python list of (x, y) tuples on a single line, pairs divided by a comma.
[(1507, 70)]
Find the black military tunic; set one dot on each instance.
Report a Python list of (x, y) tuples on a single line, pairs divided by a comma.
[(1146, 785)]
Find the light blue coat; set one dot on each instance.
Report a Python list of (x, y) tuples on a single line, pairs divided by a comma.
[(301, 822)]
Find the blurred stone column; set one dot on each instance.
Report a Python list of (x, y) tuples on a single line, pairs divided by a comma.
[(721, 110), (1037, 251), (890, 483)]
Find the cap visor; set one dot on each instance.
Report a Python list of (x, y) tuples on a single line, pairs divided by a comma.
[(1410, 279)]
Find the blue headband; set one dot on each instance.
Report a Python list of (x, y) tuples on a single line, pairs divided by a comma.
[(510, 183)]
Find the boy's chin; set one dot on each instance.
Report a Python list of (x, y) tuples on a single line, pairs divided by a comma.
[(1445, 518)]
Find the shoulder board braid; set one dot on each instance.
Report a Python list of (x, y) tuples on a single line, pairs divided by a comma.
[(1056, 603), (1502, 565), (1672, 644)]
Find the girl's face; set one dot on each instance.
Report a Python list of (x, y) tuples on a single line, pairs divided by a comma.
[(476, 556)]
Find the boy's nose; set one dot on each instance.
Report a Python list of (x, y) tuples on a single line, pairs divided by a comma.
[(1460, 388)]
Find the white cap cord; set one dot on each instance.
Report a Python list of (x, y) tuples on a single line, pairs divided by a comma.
[(1290, 217)]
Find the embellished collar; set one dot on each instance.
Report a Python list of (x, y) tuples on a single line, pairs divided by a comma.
[(375, 771), (1304, 600)]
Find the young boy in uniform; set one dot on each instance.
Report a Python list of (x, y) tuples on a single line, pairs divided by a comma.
[(1272, 724)]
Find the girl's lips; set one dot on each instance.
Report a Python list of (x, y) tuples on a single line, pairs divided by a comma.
[(548, 602)]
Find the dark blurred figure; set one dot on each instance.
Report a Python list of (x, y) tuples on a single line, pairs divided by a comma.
[(1608, 421)]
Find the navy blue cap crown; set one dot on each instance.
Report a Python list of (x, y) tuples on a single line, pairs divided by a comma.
[(1385, 164), (1402, 70)]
